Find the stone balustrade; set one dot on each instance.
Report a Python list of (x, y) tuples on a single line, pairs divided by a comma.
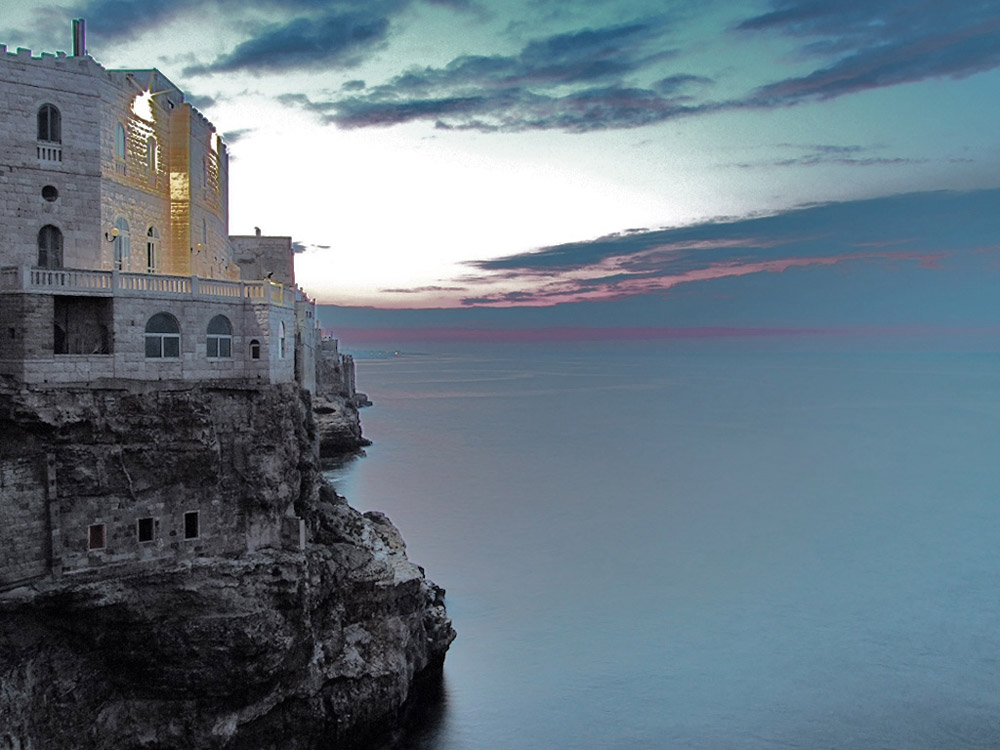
[(73, 281)]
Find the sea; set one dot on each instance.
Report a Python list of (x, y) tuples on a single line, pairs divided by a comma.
[(750, 542)]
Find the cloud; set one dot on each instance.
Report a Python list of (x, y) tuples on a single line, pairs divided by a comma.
[(576, 82), (876, 44), (335, 39), (816, 154), (199, 101), (423, 289), (919, 230), (232, 136)]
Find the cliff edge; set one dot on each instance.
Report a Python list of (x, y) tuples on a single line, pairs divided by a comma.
[(176, 574)]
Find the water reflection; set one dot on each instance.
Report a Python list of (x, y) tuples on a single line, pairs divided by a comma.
[(424, 716)]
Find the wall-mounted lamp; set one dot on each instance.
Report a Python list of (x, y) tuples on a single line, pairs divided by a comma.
[(112, 235)]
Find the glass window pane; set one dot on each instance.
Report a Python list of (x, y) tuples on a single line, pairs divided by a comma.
[(153, 346), (212, 347), (225, 347), (171, 346)]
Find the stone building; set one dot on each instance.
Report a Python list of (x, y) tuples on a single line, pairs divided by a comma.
[(115, 255), (169, 352)]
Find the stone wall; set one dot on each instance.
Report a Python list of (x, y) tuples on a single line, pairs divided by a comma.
[(181, 192), (262, 257), (30, 353), (24, 518)]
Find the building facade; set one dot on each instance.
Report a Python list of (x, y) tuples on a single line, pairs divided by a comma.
[(115, 255)]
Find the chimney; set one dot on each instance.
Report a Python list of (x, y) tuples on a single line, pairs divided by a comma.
[(79, 38)]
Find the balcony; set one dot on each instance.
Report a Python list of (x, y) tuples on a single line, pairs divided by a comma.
[(49, 151), (71, 281)]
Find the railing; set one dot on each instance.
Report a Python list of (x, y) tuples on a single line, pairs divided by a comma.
[(49, 151), (61, 278), (70, 281), (154, 282)]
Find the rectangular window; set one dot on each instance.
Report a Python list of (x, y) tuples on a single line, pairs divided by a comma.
[(144, 529), (225, 347), (212, 346), (171, 346), (191, 525), (96, 536)]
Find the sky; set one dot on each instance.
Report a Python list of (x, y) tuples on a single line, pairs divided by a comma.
[(617, 162)]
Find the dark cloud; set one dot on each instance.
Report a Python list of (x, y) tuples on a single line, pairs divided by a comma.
[(916, 229), (232, 136), (332, 40), (199, 101), (299, 247), (354, 85), (876, 44), (575, 82)]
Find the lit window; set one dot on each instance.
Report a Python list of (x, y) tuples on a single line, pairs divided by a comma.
[(254, 349), (120, 141), (191, 528), (49, 124), (96, 536), (50, 247), (122, 244), (152, 240), (163, 337), (144, 529), (219, 342)]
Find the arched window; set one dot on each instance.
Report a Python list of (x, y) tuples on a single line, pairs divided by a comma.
[(152, 241), (49, 124), (122, 243), (281, 343), (120, 141), (50, 247), (151, 153), (163, 337), (254, 349), (219, 342)]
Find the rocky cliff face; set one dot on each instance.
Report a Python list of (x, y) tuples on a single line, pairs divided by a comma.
[(235, 639)]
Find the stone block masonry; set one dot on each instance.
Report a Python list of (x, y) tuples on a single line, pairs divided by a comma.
[(163, 473), (25, 552)]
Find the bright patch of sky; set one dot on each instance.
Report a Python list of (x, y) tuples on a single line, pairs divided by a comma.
[(404, 141)]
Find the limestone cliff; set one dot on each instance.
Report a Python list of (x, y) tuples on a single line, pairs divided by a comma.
[(289, 620), (336, 402)]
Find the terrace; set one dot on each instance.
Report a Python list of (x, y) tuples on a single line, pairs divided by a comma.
[(69, 281)]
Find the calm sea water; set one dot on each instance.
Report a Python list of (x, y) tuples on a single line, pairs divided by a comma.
[(708, 545)]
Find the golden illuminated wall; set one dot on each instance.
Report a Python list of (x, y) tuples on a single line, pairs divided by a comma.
[(172, 180), (179, 167)]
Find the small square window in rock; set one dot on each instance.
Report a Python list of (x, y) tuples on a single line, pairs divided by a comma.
[(144, 529), (50, 193), (191, 525), (96, 536)]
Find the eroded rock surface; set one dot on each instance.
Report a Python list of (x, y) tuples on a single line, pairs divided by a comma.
[(237, 640)]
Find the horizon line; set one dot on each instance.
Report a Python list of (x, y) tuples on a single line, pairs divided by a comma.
[(636, 333)]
